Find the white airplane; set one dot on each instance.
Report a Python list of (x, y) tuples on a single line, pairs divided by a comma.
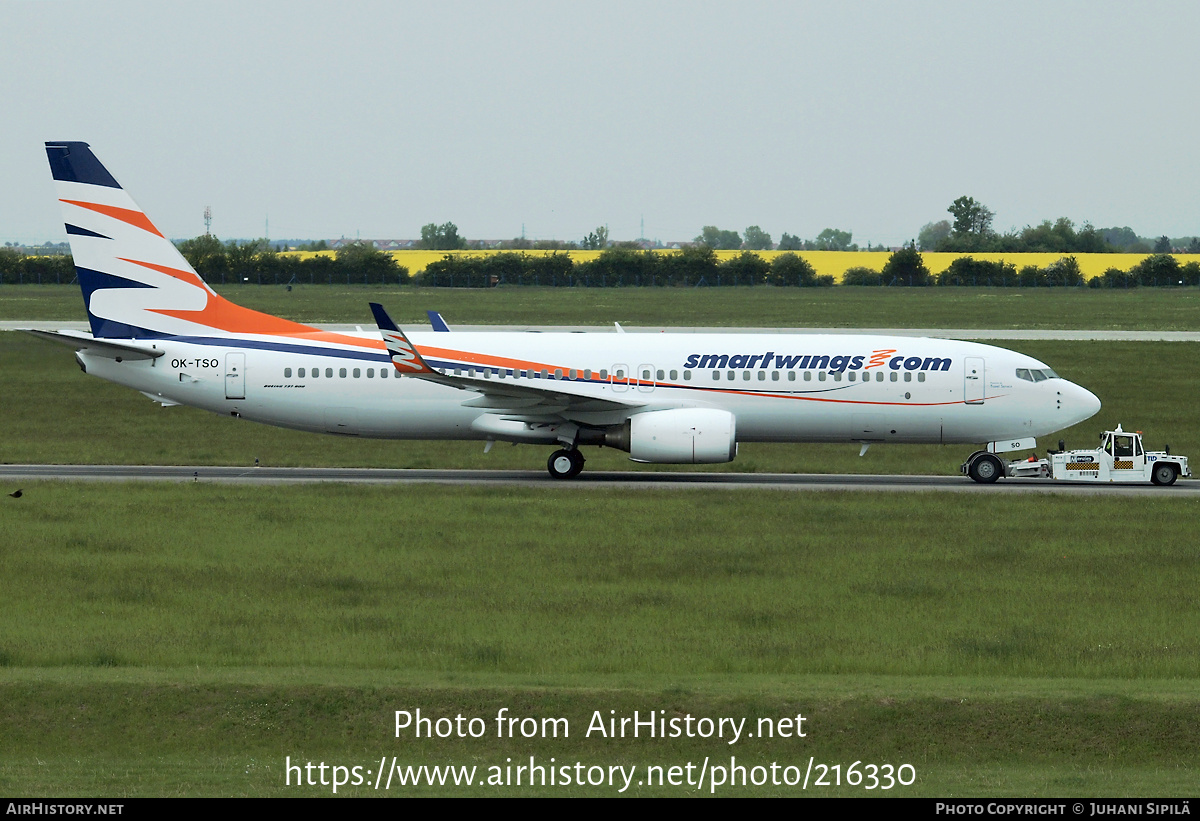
[(664, 398)]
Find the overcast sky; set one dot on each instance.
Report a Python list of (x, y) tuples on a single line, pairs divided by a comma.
[(373, 119)]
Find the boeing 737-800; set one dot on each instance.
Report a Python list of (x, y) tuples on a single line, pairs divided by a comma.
[(157, 327)]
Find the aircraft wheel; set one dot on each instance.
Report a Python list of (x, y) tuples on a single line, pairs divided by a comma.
[(565, 464), (986, 469), (1164, 474)]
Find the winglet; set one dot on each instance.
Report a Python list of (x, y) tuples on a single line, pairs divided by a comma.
[(404, 355), (439, 324)]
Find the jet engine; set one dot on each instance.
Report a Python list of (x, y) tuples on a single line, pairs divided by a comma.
[(684, 436)]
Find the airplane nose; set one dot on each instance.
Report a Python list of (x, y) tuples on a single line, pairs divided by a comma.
[(1080, 403)]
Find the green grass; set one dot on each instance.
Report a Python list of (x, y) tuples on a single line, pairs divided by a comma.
[(843, 307), (185, 640), (455, 580), (959, 744)]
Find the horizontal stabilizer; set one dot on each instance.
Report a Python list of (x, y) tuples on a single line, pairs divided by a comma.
[(99, 347)]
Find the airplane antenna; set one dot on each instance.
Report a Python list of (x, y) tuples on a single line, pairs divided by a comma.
[(208, 220)]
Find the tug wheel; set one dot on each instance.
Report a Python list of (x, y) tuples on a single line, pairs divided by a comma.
[(1164, 474)]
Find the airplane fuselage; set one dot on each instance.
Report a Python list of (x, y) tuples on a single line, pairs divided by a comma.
[(780, 387)]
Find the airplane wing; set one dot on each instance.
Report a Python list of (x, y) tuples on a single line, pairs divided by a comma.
[(512, 399), (99, 347)]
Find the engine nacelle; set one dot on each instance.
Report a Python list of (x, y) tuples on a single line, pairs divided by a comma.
[(686, 436)]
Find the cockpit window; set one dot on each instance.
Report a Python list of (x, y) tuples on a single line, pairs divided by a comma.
[(1035, 375)]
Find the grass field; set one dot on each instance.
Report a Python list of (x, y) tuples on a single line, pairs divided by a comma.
[(187, 640), (1160, 309)]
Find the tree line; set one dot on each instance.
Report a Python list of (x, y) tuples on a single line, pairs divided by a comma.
[(621, 267), (906, 268), (357, 263), (971, 231), (221, 263), (695, 266)]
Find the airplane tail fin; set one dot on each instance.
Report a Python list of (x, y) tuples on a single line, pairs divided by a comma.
[(135, 282)]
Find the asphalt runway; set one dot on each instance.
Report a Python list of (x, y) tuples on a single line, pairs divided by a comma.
[(14, 475)]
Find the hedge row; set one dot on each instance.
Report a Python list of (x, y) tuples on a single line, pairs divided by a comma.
[(621, 267), (617, 267)]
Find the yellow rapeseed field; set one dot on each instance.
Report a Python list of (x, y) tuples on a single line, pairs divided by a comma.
[(832, 263)]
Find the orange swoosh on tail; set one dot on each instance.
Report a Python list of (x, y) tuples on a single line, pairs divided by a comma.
[(128, 215)]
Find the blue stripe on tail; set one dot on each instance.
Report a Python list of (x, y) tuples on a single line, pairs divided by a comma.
[(75, 162)]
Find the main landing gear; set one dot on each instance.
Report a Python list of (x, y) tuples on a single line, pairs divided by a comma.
[(565, 464)]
